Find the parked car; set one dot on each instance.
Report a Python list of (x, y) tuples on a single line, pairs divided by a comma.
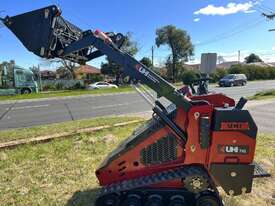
[(102, 85), (231, 80)]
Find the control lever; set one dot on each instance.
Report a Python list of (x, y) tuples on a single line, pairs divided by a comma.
[(241, 104)]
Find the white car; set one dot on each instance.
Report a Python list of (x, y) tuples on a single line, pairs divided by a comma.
[(102, 85)]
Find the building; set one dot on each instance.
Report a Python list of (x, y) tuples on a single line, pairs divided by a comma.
[(47, 75), (87, 72)]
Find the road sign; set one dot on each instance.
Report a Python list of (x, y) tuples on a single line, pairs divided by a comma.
[(208, 63)]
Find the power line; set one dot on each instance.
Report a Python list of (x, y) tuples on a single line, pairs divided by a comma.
[(233, 32)]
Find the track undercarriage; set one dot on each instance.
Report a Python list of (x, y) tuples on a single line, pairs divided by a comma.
[(195, 188)]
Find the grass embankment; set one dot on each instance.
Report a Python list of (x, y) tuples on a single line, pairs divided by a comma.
[(269, 94), (62, 172), (66, 93)]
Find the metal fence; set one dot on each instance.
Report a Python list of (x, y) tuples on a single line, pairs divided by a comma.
[(62, 83)]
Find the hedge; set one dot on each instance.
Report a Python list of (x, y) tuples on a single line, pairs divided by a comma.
[(251, 71)]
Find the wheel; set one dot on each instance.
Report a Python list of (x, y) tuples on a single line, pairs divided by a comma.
[(177, 201), (132, 200), (208, 200), (25, 91), (244, 83), (231, 84), (154, 200), (108, 200)]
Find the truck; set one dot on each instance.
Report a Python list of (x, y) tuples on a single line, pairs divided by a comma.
[(16, 80)]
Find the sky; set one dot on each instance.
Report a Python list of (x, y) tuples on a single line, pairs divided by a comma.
[(219, 26)]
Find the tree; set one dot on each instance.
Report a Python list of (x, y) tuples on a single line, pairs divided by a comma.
[(66, 65), (180, 44), (146, 61), (253, 58), (113, 69)]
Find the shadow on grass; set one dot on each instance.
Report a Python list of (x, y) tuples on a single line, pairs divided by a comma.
[(83, 198)]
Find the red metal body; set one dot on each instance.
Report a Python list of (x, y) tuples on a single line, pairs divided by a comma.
[(128, 166)]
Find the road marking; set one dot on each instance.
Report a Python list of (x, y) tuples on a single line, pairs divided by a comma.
[(116, 105), (30, 107)]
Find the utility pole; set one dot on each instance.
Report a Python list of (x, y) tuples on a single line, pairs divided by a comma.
[(153, 56), (239, 56)]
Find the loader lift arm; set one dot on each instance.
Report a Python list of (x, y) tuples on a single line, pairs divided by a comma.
[(131, 67)]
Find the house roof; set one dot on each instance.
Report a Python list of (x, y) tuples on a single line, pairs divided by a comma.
[(87, 69)]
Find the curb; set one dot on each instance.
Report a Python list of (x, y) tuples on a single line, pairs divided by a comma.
[(48, 138)]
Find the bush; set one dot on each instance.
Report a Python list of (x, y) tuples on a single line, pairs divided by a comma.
[(77, 86), (252, 72), (59, 86), (189, 76), (219, 73)]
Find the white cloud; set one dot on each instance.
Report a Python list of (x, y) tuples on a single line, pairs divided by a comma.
[(250, 11), (273, 48), (230, 8), (197, 19)]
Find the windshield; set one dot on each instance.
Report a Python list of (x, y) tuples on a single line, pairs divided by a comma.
[(231, 76)]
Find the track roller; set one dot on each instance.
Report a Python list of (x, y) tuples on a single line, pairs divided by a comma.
[(208, 200), (132, 200), (177, 200), (154, 200), (108, 200)]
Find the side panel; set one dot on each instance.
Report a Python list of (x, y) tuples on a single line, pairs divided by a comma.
[(196, 153), (235, 179)]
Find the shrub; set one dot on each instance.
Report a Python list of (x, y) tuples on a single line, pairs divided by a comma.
[(189, 76), (59, 86)]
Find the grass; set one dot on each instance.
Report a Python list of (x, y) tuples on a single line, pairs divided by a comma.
[(71, 126), (263, 95), (62, 172), (66, 93)]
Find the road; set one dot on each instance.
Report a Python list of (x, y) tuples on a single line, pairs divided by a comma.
[(31, 113)]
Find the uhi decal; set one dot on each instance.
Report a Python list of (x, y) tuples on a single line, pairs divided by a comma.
[(235, 126), (146, 73), (233, 149)]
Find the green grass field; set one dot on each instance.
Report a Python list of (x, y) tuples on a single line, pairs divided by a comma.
[(61, 172), (269, 94), (67, 93)]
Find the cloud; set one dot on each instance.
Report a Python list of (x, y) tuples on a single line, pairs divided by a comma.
[(230, 8), (250, 11), (197, 19), (273, 48)]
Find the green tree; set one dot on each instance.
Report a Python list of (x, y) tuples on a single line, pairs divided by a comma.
[(113, 69), (146, 61), (252, 58), (180, 44)]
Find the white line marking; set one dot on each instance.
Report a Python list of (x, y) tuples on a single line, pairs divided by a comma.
[(115, 105), (29, 107)]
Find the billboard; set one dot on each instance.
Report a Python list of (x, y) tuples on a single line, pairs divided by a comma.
[(208, 63)]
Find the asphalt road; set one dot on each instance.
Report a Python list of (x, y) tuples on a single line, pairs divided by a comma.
[(31, 113)]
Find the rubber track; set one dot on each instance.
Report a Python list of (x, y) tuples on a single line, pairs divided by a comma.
[(168, 175)]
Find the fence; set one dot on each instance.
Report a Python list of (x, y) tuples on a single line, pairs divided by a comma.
[(59, 84)]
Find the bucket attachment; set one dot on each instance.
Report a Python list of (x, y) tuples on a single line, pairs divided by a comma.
[(46, 33)]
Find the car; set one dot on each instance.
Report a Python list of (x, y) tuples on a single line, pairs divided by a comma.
[(231, 80), (102, 85)]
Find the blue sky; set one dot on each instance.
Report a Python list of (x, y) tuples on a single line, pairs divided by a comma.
[(215, 26)]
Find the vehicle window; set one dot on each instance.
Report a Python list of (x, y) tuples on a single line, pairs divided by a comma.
[(29, 78), (20, 76), (231, 76)]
